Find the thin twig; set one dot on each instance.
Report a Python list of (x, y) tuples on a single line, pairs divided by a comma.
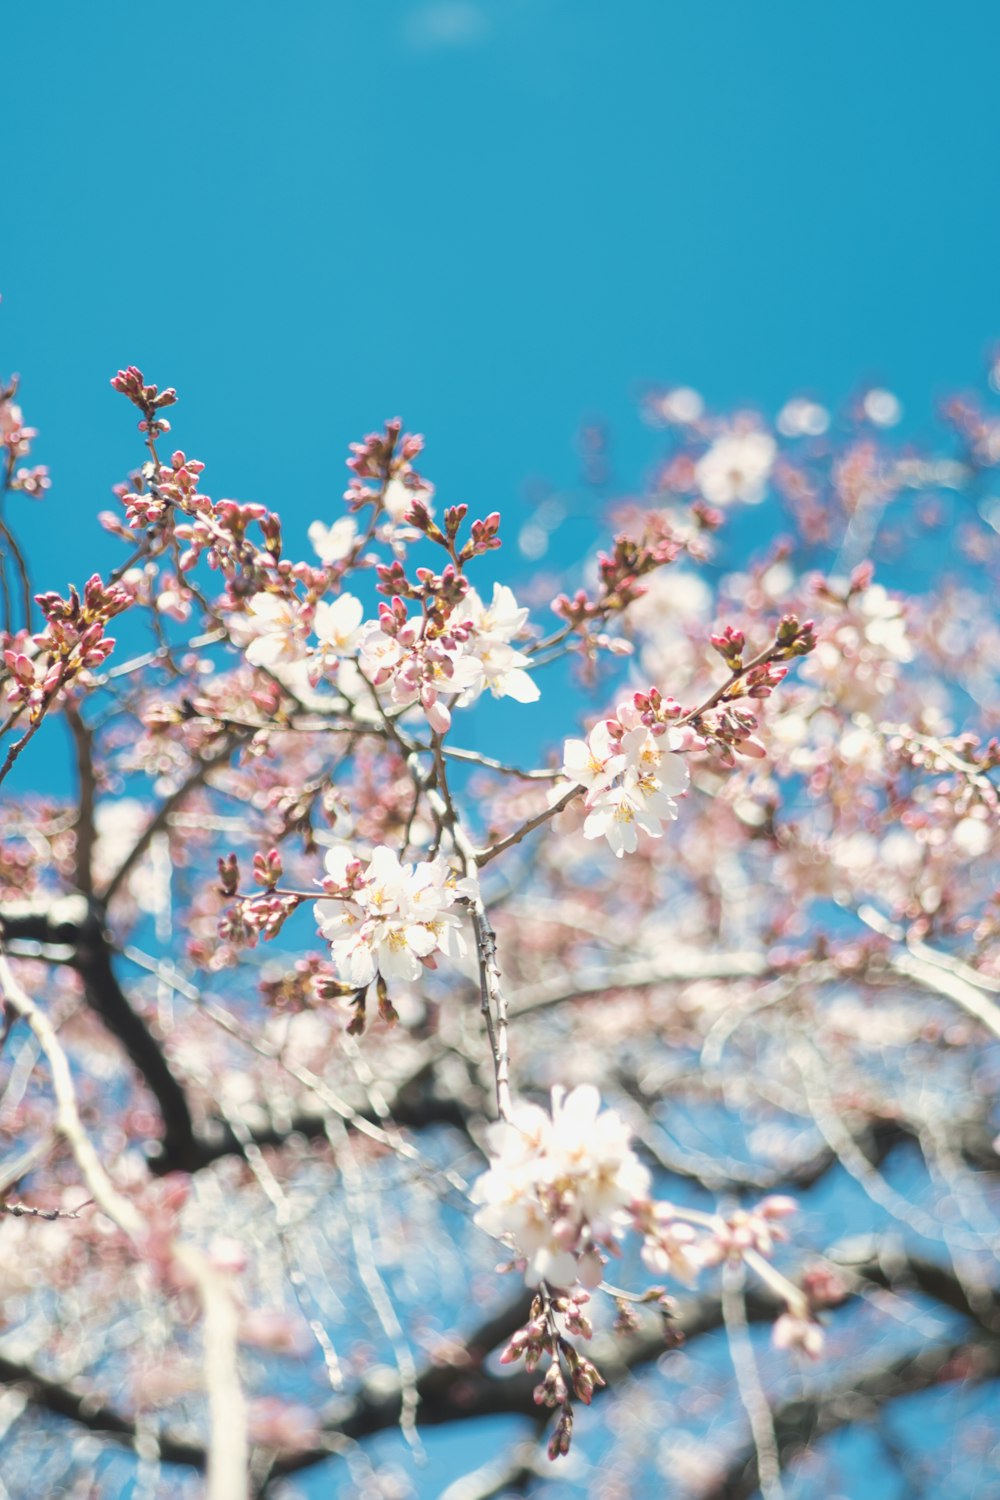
[(748, 1382), (484, 856)]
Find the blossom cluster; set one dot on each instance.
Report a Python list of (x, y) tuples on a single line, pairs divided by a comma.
[(561, 1186), (564, 1187), (407, 659), (632, 773), (387, 918)]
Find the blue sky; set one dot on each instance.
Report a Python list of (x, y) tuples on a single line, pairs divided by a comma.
[(493, 219)]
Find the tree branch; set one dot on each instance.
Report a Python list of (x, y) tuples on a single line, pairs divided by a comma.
[(76, 925), (463, 1390)]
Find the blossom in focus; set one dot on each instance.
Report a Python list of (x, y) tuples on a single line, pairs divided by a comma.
[(619, 812), (560, 1186), (493, 627), (736, 467), (278, 632), (594, 762), (338, 629), (409, 665), (632, 777), (391, 917)]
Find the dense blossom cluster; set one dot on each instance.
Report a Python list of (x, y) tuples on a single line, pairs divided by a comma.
[(565, 1186), (408, 659), (389, 918), (632, 773)]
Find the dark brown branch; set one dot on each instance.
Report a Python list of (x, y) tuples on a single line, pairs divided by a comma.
[(86, 833), (464, 1389), (76, 926), (168, 806), (80, 1407), (71, 931)]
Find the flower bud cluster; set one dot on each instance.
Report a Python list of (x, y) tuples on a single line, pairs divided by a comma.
[(72, 642), (570, 1374), (386, 459), (147, 398), (304, 984), (730, 644), (619, 573), (16, 439)]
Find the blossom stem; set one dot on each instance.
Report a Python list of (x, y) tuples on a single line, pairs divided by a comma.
[(484, 856)]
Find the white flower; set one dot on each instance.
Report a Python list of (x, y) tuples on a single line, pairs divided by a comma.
[(501, 668), (337, 628), (632, 778), (560, 1186), (594, 762), (618, 813), (278, 632), (501, 620), (736, 467), (392, 918), (378, 651), (333, 543)]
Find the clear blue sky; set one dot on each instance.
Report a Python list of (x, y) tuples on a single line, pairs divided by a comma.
[(494, 219)]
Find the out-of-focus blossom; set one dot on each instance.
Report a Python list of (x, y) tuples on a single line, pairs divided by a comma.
[(278, 632), (884, 622), (736, 467), (798, 1331), (333, 543), (560, 1185), (681, 407), (881, 408), (802, 418)]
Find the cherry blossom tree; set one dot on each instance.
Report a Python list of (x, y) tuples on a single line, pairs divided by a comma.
[(359, 1083)]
